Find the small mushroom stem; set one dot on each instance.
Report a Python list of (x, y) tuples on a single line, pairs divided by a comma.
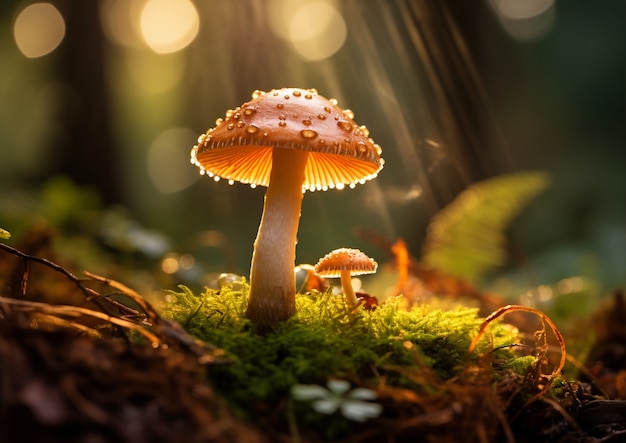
[(348, 290), (272, 296)]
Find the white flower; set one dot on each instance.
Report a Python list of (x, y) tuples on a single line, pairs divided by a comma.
[(353, 404)]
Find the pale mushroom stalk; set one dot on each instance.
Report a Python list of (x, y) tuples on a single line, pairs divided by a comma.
[(348, 290), (272, 278)]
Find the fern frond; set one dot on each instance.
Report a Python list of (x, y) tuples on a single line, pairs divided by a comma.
[(467, 237)]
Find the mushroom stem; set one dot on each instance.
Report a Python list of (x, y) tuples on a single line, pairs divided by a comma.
[(348, 290), (272, 296)]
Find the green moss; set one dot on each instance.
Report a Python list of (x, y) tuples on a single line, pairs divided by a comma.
[(521, 365), (323, 341)]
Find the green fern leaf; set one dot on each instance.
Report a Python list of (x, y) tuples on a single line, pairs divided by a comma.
[(467, 237)]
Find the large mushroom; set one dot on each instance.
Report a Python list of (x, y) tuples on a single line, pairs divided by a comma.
[(290, 140)]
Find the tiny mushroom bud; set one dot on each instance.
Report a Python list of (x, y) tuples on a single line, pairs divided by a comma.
[(290, 140), (345, 263)]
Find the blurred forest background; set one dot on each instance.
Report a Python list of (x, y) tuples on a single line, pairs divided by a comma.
[(103, 100)]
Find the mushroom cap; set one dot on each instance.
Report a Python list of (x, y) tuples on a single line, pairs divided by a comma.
[(239, 148), (345, 259)]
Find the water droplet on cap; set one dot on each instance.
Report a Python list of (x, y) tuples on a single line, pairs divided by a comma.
[(249, 111), (345, 125), (308, 133), (321, 116), (258, 93), (240, 124), (252, 129), (348, 113), (307, 122), (333, 101), (297, 93), (280, 106)]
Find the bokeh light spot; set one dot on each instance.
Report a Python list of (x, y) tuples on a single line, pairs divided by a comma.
[(168, 160), (169, 265), (169, 25), (38, 30), (527, 20), (518, 10), (317, 30), (120, 21)]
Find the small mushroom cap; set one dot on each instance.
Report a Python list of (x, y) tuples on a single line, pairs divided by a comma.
[(343, 259), (239, 148)]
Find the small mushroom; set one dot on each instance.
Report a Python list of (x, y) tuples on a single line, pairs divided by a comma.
[(345, 263), (290, 140)]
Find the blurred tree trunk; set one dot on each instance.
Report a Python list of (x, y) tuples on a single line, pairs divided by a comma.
[(87, 153)]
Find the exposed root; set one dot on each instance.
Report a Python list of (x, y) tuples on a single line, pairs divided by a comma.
[(512, 308)]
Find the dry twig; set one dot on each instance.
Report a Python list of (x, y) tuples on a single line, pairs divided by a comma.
[(146, 321)]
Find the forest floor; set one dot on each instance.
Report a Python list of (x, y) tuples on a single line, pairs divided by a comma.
[(76, 365)]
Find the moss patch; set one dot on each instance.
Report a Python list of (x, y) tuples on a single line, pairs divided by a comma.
[(323, 341)]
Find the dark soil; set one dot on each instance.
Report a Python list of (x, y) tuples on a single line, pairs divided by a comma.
[(60, 387)]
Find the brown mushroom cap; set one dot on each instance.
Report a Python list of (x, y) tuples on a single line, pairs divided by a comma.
[(345, 259), (240, 147)]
